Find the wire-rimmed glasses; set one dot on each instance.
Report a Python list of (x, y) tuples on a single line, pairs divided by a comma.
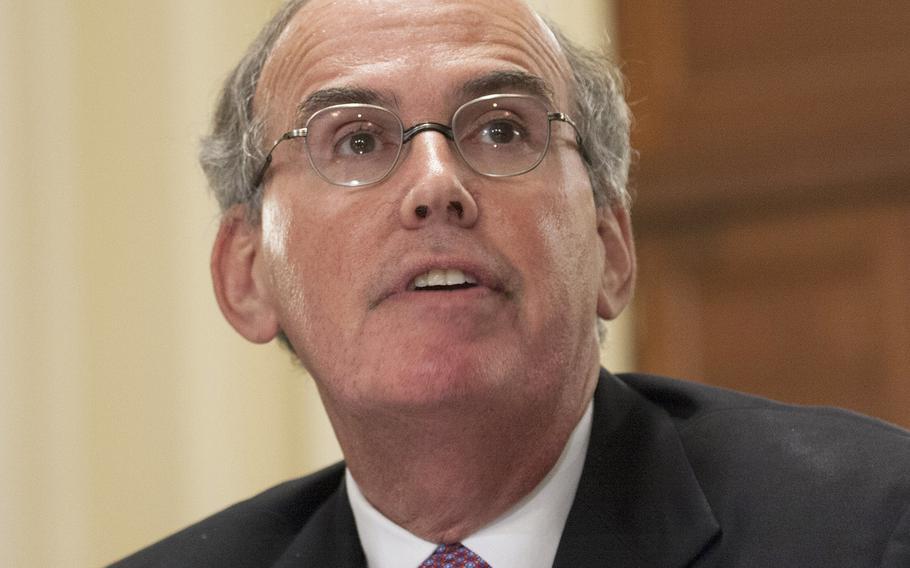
[(353, 145)]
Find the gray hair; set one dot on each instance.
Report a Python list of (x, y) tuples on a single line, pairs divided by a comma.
[(233, 152), (603, 119)]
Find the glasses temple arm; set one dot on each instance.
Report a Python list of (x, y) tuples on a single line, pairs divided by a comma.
[(296, 133), (563, 117)]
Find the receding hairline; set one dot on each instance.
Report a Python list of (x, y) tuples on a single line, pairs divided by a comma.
[(548, 40)]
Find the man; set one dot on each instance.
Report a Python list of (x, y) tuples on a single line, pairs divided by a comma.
[(436, 233)]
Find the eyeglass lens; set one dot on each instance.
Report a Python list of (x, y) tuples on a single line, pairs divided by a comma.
[(356, 145)]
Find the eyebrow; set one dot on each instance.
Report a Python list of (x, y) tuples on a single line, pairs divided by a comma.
[(318, 100), (509, 81)]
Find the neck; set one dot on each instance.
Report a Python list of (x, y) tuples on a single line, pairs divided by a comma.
[(444, 475)]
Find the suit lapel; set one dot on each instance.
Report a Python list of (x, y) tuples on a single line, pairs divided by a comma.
[(638, 502), (329, 538)]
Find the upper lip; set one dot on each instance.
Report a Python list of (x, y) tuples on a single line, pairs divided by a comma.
[(482, 274), (403, 279), (442, 276)]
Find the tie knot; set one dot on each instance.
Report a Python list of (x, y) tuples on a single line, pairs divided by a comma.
[(454, 555)]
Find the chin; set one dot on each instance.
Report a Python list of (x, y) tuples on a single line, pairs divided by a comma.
[(430, 377)]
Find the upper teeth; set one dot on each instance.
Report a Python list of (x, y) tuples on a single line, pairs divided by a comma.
[(443, 277)]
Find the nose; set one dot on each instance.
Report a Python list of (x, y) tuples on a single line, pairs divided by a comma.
[(435, 192)]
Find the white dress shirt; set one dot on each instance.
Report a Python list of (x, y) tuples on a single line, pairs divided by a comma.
[(526, 536)]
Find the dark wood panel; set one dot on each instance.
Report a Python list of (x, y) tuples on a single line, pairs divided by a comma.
[(723, 34), (766, 99), (773, 206), (810, 308)]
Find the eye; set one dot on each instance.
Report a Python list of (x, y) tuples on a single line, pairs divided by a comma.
[(500, 132), (493, 128), (360, 142)]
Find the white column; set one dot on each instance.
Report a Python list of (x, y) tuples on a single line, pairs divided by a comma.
[(43, 406)]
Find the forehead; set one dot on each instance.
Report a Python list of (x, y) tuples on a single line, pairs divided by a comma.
[(419, 52)]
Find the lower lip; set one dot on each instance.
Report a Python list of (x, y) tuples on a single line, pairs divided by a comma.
[(443, 316), (442, 298)]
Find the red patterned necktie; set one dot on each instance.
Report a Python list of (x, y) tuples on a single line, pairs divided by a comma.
[(454, 556)]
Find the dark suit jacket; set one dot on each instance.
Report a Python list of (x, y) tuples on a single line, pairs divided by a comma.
[(677, 474)]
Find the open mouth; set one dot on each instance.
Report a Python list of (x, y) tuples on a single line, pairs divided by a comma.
[(445, 279)]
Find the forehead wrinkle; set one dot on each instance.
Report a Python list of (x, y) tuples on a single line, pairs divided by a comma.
[(305, 39), (530, 35), (446, 31), (521, 30)]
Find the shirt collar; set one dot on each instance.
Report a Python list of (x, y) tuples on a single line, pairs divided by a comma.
[(526, 535)]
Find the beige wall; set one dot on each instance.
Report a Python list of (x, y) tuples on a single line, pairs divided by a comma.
[(128, 408)]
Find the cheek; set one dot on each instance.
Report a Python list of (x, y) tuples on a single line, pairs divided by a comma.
[(569, 239), (561, 257), (316, 256), (557, 231), (284, 260)]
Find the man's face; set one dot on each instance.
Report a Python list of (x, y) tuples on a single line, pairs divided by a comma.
[(339, 264)]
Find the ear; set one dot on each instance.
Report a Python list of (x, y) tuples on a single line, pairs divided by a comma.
[(240, 286), (618, 279)]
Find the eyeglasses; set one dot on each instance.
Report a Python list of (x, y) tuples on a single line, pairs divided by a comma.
[(353, 145)]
